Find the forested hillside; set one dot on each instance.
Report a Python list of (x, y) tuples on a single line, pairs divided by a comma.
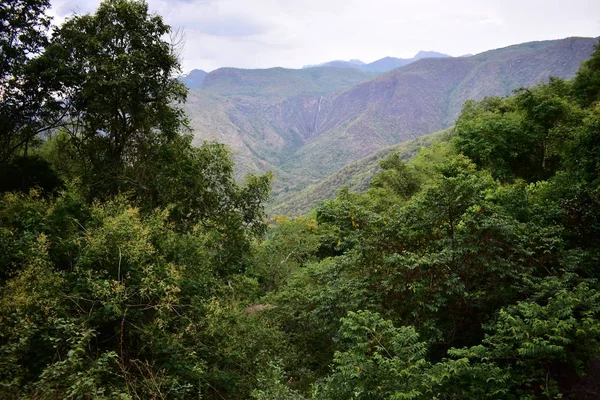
[(305, 125), (356, 177), (134, 266)]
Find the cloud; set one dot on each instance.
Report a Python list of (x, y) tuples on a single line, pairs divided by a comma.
[(230, 27), (63, 8), (292, 33)]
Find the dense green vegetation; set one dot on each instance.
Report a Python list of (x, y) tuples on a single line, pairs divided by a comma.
[(356, 176), (133, 266)]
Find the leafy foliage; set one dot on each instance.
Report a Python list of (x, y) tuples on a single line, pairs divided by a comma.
[(132, 265), (380, 361), (116, 75), (23, 35)]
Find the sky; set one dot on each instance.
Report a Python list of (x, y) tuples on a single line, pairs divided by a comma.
[(294, 33)]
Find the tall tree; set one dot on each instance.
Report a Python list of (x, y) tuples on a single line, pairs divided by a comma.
[(586, 84), (117, 77), (23, 35)]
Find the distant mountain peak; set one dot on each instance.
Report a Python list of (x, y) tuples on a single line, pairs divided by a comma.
[(194, 78), (382, 65), (356, 61), (429, 54)]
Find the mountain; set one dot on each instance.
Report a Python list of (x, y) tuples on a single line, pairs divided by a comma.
[(357, 176), (274, 84), (426, 96), (429, 54), (264, 115), (339, 63), (194, 79), (389, 63), (307, 124), (382, 65)]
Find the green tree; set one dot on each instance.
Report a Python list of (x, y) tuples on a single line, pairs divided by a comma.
[(377, 361), (586, 85), (543, 340), (24, 98), (523, 136), (291, 243), (395, 182), (116, 76)]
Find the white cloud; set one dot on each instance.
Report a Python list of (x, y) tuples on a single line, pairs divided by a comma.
[(292, 33)]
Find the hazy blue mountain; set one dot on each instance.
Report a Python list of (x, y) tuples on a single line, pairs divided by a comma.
[(389, 63), (338, 64), (194, 79), (382, 65), (429, 54)]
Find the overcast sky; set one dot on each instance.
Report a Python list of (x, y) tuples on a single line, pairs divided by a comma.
[(293, 33)]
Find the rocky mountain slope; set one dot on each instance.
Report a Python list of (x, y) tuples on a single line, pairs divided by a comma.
[(304, 125)]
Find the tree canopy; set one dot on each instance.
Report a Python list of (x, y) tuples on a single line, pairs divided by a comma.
[(24, 98), (134, 266)]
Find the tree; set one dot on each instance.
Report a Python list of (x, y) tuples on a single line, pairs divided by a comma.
[(23, 28), (522, 136), (377, 361), (586, 85), (395, 182), (117, 78), (544, 340)]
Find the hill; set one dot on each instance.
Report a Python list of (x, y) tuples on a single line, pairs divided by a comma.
[(382, 65), (275, 84), (356, 176), (305, 125), (263, 115), (194, 79), (389, 63)]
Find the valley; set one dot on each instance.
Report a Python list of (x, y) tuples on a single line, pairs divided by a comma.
[(305, 125)]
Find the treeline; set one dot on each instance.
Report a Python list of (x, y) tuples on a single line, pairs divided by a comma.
[(133, 266)]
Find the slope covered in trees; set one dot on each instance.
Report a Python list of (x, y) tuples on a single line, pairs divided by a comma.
[(132, 265), (471, 271), (356, 177)]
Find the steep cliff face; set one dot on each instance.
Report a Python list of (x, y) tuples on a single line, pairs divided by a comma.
[(300, 116)]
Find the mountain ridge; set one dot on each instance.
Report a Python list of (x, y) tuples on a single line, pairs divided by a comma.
[(194, 79), (306, 124), (381, 65)]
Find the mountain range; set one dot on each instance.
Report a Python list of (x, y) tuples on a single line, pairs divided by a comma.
[(195, 78), (382, 65), (307, 124)]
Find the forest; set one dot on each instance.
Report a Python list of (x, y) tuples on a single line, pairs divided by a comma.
[(134, 266)]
